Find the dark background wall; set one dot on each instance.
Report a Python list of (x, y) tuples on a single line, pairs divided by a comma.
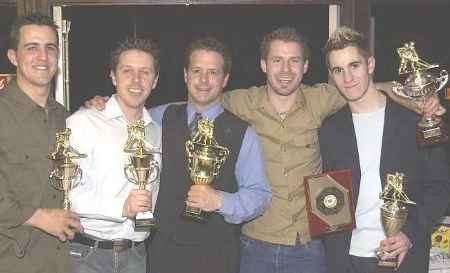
[(95, 30)]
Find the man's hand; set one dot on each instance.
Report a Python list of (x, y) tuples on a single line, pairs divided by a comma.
[(137, 201), (60, 223), (97, 102), (431, 107), (204, 197), (397, 245)]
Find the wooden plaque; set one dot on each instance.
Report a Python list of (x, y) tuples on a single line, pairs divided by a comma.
[(329, 202)]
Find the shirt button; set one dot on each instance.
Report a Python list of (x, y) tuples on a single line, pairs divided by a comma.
[(54, 196), (58, 247)]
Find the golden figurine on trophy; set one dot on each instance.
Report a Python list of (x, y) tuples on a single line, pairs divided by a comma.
[(205, 158), (394, 211), (5, 79), (422, 80), (142, 169), (66, 173)]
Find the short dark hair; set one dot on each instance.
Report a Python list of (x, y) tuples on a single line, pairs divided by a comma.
[(146, 45), (285, 34), (344, 37), (209, 43), (36, 18)]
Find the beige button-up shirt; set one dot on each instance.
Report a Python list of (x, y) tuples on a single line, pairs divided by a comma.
[(291, 151)]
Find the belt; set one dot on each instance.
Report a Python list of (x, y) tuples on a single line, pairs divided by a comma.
[(115, 245)]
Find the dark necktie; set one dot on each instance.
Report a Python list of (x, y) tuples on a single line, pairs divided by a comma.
[(193, 124)]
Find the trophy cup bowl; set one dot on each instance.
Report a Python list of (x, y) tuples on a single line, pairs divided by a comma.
[(143, 170), (422, 81), (205, 158), (66, 174)]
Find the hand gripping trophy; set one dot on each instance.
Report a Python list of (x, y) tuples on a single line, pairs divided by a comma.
[(66, 174), (420, 83), (394, 211), (142, 169), (205, 158)]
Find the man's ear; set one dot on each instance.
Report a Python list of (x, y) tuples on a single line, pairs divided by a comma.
[(12, 56), (263, 65), (113, 78), (371, 64)]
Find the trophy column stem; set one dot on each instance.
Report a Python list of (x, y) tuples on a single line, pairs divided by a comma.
[(66, 201)]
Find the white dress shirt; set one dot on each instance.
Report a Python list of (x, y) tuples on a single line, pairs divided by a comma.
[(101, 195)]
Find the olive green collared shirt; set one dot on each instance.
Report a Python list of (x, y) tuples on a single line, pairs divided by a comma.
[(27, 134), (291, 151)]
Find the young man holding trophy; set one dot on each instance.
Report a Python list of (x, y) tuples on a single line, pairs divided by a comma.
[(376, 138), (199, 222), (119, 143), (33, 225)]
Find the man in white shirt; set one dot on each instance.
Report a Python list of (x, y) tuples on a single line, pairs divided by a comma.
[(106, 199), (374, 136)]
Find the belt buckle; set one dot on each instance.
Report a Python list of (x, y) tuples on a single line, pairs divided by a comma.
[(119, 245)]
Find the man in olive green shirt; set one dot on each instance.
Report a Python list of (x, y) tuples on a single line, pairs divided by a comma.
[(33, 228)]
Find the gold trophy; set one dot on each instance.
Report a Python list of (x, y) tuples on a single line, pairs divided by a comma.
[(422, 80), (66, 173), (394, 211), (205, 158), (5, 79), (142, 170)]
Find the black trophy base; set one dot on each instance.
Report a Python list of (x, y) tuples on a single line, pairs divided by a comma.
[(196, 214), (431, 135), (144, 225), (389, 263)]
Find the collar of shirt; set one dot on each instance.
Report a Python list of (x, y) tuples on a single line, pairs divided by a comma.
[(24, 102), (262, 100), (113, 111), (210, 112)]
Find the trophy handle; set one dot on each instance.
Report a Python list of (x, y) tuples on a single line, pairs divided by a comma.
[(398, 88), (78, 178), (442, 80), (127, 170), (154, 172)]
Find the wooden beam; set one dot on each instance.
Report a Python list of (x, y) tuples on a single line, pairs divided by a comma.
[(192, 2)]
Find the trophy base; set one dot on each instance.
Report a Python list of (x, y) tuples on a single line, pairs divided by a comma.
[(195, 214), (144, 225), (144, 222), (389, 263), (428, 135)]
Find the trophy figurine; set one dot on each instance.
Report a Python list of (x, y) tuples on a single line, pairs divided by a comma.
[(205, 158), (142, 170), (421, 81), (5, 79), (66, 174), (394, 211)]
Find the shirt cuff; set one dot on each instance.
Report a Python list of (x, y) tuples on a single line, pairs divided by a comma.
[(22, 233), (227, 208)]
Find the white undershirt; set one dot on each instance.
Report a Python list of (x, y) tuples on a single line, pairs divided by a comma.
[(369, 232)]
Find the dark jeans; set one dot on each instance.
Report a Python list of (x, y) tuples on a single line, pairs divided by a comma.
[(85, 259), (262, 257)]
